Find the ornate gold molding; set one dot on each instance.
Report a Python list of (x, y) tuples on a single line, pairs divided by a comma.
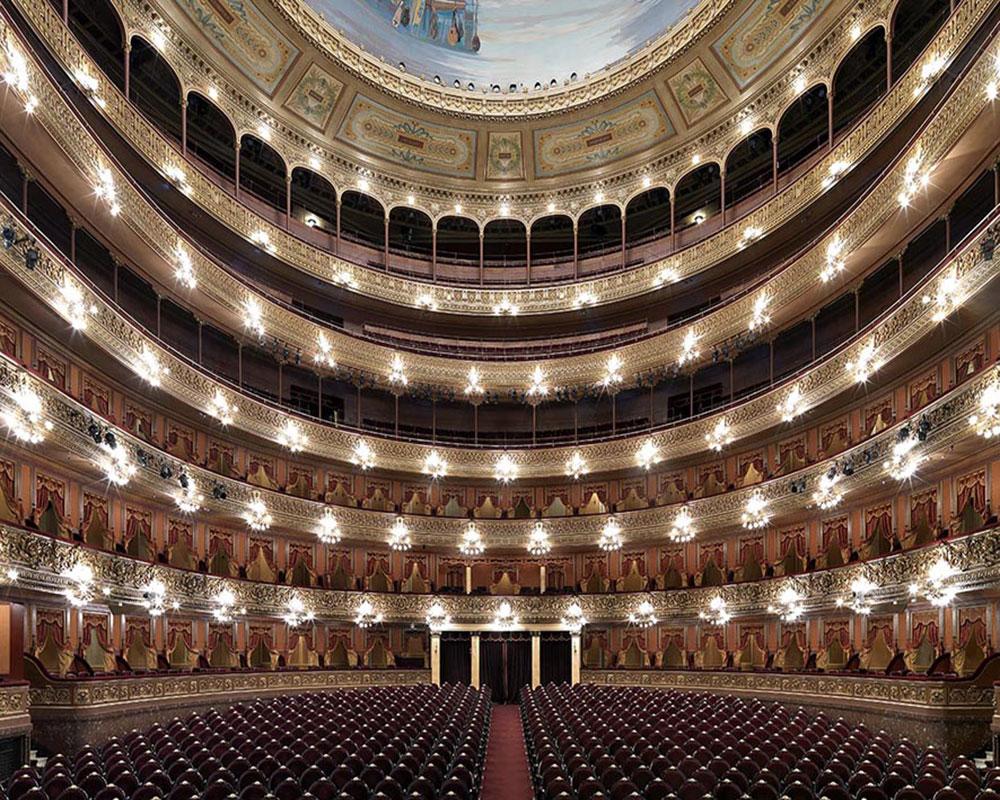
[(478, 300), (719, 514), (146, 692), (907, 324), (41, 559)]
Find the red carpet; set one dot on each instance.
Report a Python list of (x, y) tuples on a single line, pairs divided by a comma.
[(506, 775)]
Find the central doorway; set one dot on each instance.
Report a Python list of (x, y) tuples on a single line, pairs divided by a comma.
[(505, 664)]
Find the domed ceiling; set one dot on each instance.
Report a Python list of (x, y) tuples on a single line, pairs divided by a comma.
[(531, 43)]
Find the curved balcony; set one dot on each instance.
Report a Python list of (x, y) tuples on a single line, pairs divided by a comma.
[(444, 301)]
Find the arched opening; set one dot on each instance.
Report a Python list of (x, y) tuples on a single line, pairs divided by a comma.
[(362, 219), (647, 216), (914, 23), (551, 239), (314, 200), (210, 136), (505, 243), (411, 232), (154, 89), (697, 196), (96, 26), (749, 167), (600, 230), (803, 129), (458, 241), (860, 80), (262, 172)]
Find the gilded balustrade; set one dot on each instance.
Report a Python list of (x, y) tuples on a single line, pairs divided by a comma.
[(217, 202)]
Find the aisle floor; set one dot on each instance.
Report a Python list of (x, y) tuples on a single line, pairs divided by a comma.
[(506, 775)]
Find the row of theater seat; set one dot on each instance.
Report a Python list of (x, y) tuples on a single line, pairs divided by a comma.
[(386, 743), (627, 743)]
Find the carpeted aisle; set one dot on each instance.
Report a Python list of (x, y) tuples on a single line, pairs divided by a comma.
[(506, 776)]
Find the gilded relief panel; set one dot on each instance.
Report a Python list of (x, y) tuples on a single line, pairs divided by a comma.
[(696, 91), (258, 49), (766, 30), (621, 132), (386, 133), (505, 156), (314, 96)]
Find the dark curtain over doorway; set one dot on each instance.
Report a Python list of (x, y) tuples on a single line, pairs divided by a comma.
[(505, 665), (456, 658), (555, 658)]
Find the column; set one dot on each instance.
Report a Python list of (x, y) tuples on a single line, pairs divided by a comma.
[(385, 241), (468, 578), (436, 658), (536, 659), (184, 126), (434, 250), (541, 579), (236, 186), (624, 257), (575, 653), (774, 161), (128, 67), (888, 61), (482, 266), (475, 661), (288, 200), (527, 257), (829, 116), (576, 249)]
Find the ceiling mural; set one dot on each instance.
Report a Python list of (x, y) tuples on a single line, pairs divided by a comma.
[(502, 41)]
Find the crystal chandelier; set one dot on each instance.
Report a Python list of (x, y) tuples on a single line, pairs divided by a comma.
[(947, 296), (257, 517), (903, 462), (72, 304), (648, 454), (435, 465), (148, 367), (296, 614), (187, 497), (366, 616), (505, 468), (720, 436), (538, 389), (224, 603), (613, 379), (792, 406), (573, 620), (106, 190), (576, 465), (755, 515), (437, 617), (827, 495), (220, 408), (505, 307), (859, 602), (363, 456), (399, 535), (24, 419), (987, 421), (118, 467), (584, 298), (16, 75), (324, 352), (472, 541), (81, 590), (644, 616), (611, 536), (185, 268), (538, 541), (914, 179), (154, 598), (505, 618), (292, 437), (327, 529), (937, 587), (834, 261), (689, 348), (397, 372), (473, 388), (717, 613), (253, 317), (789, 606), (262, 239), (683, 529), (862, 367), (427, 301), (760, 316)]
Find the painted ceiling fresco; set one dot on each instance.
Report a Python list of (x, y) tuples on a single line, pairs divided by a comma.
[(502, 41)]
